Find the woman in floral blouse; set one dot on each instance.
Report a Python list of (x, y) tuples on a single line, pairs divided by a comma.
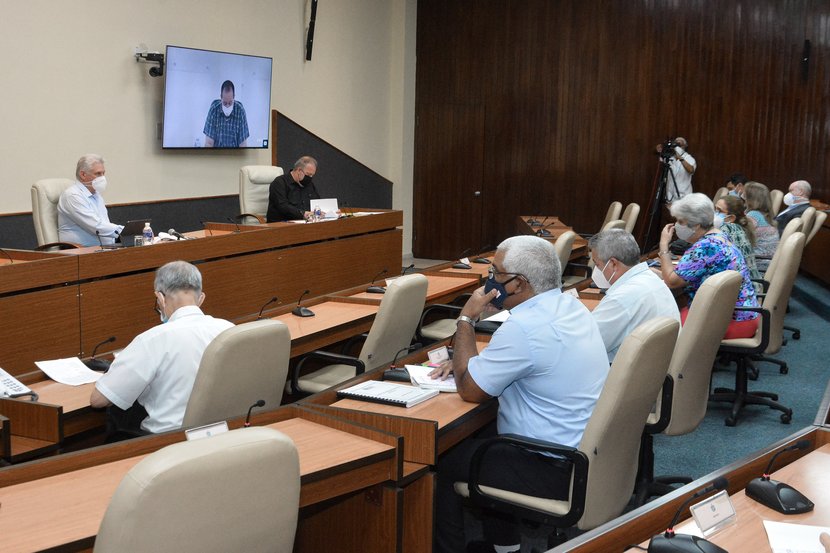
[(731, 219)]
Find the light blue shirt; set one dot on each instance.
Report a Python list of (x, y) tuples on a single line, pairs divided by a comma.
[(80, 214), (636, 297), (547, 366)]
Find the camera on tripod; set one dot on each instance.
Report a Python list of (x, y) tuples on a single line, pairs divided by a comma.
[(667, 151)]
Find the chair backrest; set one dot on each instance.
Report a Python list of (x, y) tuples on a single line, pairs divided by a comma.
[(776, 198), (45, 196), (697, 346), (792, 227), (396, 321), (237, 491), (612, 437), (807, 218), (821, 216), (240, 366), (563, 246), (614, 224), (613, 212), (789, 252), (719, 193), (632, 211), (254, 184)]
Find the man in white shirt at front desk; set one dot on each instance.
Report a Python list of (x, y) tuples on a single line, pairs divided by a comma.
[(159, 366), (634, 293), (81, 209), (546, 365)]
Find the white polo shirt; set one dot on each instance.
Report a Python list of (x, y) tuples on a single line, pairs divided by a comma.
[(159, 367)]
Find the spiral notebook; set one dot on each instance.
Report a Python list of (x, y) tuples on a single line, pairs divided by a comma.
[(389, 393)]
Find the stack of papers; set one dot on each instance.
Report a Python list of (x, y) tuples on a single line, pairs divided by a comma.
[(419, 376), (69, 371), (789, 538)]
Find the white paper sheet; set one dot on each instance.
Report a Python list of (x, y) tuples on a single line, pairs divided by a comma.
[(419, 375), (785, 537), (69, 371)]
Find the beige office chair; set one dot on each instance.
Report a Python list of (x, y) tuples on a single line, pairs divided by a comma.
[(776, 199), (240, 366), (807, 218), (564, 246), (45, 196), (768, 338), (719, 193), (237, 491), (682, 402), (605, 462), (431, 329), (254, 184), (392, 331), (582, 272), (795, 225), (632, 211), (820, 217), (611, 214)]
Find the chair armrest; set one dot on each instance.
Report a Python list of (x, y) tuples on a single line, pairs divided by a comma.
[(578, 488), (347, 347), (440, 307), (359, 366), (765, 326), (666, 399), (241, 217), (764, 284), (57, 246)]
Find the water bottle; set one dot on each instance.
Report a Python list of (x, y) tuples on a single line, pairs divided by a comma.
[(318, 214), (148, 234)]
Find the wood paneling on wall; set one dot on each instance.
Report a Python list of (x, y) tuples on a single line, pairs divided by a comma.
[(546, 106)]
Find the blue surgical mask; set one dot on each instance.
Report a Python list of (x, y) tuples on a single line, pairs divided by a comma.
[(719, 220), (492, 284), (735, 193)]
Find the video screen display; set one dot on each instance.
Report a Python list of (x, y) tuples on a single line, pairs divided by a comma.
[(215, 99)]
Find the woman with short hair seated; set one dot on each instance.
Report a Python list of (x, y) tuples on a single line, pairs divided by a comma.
[(731, 219), (759, 210), (711, 252)]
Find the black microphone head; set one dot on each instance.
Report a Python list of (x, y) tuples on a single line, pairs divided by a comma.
[(260, 403), (720, 483), (802, 444)]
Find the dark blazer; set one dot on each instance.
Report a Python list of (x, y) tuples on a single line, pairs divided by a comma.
[(288, 200), (795, 211)]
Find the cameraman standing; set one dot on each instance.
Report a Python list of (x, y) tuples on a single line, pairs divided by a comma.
[(682, 166)]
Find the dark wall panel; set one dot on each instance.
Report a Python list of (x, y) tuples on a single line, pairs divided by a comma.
[(575, 95)]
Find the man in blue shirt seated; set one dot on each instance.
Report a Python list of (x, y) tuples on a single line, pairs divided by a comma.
[(634, 293), (226, 125), (81, 209), (546, 365)]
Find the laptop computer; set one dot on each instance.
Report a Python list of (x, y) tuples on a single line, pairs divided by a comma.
[(130, 231)]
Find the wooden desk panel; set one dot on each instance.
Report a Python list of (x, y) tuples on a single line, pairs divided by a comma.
[(32, 270)]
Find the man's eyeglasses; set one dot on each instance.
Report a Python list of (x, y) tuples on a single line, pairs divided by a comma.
[(492, 272)]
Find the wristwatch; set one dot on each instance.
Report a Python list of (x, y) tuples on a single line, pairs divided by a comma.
[(465, 319)]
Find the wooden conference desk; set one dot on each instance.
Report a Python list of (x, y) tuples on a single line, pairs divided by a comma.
[(60, 502)]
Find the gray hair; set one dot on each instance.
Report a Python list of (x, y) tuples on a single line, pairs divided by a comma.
[(535, 259), (305, 161), (803, 187), (85, 164), (617, 243), (682, 142), (696, 209), (178, 276)]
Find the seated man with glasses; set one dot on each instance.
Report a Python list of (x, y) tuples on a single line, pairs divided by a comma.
[(157, 370), (290, 195), (546, 365)]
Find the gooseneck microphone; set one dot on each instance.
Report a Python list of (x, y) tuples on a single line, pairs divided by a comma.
[(177, 234), (482, 260), (413, 347), (99, 364), (669, 542), (233, 221), (408, 267), (777, 495), (459, 264), (259, 403), (11, 261), (267, 303), (301, 311), (372, 289)]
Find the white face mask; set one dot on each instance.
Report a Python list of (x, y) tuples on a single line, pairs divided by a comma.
[(719, 220), (99, 184), (789, 198), (227, 110), (599, 278), (683, 232)]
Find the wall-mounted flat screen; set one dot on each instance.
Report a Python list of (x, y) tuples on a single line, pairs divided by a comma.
[(215, 99)]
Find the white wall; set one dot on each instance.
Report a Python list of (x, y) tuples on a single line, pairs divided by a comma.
[(73, 86)]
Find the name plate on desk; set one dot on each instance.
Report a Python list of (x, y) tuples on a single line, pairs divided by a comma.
[(714, 514), (206, 431)]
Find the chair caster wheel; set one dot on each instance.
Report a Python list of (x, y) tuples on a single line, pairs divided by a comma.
[(731, 422), (786, 418), (784, 370), (796, 335)]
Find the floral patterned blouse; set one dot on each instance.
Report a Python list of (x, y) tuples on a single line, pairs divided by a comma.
[(737, 235), (710, 255)]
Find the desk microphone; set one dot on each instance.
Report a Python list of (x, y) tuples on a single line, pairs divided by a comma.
[(669, 542), (11, 261), (99, 364), (396, 374), (233, 221), (459, 264), (777, 495), (101, 243), (301, 311), (267, 303), (259, 403), (377, 289), (210, 231), (177, 234), (482, 260), (533, 222), (405, 269)]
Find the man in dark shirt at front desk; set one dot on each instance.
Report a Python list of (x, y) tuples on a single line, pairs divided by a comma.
[(290, 195), (546, 365)]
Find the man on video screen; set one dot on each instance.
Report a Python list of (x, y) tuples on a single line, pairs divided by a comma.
[(226, 125)]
